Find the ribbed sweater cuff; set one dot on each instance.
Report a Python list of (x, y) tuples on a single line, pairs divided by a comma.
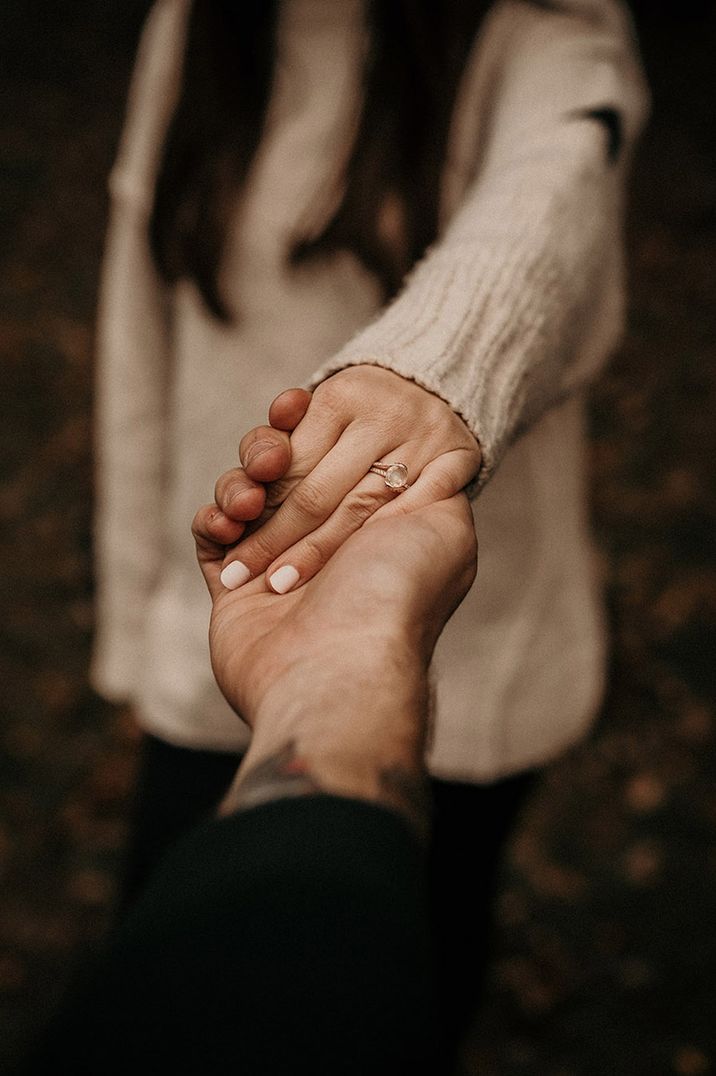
[(491, 319)]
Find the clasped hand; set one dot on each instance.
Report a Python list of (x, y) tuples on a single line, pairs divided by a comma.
[(321, 491), (384, 596)]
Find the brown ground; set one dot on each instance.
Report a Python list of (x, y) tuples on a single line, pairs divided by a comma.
[(606, 954)]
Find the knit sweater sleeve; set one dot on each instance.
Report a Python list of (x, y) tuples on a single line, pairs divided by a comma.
[(520, 299), (132, 365)]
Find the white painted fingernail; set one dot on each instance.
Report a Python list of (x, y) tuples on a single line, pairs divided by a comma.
[(284, 579), (235, 575)]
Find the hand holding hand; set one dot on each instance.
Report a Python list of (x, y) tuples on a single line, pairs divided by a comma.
[(360, 416), (333, 676), (375, 611)]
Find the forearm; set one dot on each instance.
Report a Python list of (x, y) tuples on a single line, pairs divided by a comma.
[(360, 736)]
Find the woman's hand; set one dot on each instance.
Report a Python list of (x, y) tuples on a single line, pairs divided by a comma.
[(358, 417)]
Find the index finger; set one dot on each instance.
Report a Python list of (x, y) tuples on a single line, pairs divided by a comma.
[(265, 451)]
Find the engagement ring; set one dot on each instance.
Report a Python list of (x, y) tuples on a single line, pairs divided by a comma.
[(395, 475)]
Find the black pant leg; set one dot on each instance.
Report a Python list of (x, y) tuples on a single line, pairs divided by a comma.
[(177, 788), (285, 940), (471, 827)]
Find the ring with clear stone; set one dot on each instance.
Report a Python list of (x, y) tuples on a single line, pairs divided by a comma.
[(395, 475)]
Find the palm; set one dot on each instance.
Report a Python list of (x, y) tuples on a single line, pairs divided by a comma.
[(396, 578), (325, 490)]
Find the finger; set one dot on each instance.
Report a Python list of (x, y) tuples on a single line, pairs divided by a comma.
[(238, 496), (302, 561), (313, 501), (313, 438), (289, 407), (439, 480), (315, 434), (213, 532), (265, 453)]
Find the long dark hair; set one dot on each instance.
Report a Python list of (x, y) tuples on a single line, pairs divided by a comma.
[(417, 53)]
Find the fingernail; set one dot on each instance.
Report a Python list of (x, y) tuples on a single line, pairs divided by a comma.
[(235, 575), (284, 579)]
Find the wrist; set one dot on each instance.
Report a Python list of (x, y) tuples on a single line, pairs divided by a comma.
[(377, 679), (349, 723)]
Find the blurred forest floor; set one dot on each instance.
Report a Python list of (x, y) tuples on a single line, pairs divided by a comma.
[(605, 958)]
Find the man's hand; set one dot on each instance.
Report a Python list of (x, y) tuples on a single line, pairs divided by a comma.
[(332, 677), (376, 609), (358, 417)]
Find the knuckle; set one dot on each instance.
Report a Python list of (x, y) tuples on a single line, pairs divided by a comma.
[(259, 549), (462, 435), (361, 504), (198, 523), (203, 519), (224, 483), (256, 436), (309, 501), (331, 395), (312, 552), (232, 491), (278, 491)]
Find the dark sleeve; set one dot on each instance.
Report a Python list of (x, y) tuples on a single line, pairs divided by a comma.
[(289, 938)]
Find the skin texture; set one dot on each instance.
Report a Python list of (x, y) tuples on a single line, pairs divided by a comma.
[(332, 677), (320, 490)]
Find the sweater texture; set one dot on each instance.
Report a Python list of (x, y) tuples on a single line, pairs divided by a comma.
[(508, 316)]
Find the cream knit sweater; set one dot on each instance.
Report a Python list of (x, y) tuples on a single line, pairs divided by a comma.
[(506, 318)]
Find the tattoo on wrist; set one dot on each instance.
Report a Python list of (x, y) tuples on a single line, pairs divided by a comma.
[(285, 775), (279, 776)]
